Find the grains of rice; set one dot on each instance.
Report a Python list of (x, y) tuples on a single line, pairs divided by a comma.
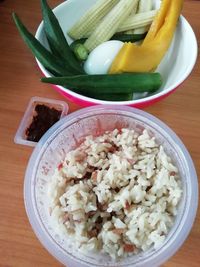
[(117, 193)]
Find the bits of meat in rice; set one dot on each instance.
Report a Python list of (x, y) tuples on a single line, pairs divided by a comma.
[(117, 193)]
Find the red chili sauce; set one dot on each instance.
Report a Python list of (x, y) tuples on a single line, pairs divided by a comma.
[(45, 117)]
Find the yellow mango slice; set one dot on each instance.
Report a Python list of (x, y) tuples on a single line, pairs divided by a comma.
[(147, 57)]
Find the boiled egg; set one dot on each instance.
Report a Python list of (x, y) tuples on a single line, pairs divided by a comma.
[(100, 59)]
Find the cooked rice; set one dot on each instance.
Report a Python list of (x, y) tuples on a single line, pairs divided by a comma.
[(117, 193)]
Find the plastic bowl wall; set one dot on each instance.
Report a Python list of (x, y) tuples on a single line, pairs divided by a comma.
[(66, 135)]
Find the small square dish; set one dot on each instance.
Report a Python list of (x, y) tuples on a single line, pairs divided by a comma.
[(40, 115)]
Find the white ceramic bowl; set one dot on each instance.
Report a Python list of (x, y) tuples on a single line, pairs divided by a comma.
[(61, 138), (175, 67)]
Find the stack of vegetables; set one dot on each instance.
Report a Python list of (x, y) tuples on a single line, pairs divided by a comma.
[(126, 20), (155, 45)]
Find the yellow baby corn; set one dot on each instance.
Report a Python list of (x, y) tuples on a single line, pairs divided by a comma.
[(91, 18), (110, 23)]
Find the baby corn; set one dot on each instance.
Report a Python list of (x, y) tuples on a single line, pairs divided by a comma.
[(91, 18), (137, 21), (144, 6), (110, 23)]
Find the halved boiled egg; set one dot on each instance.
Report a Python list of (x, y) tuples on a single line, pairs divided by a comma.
[(101, 58)]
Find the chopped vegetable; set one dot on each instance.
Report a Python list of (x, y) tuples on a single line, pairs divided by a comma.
[(111, 16), (147, 57), (117, 36), (78, 41), (128, 37), (110, 23), (107, 84), (112, 97), (118, 231), (49, 61), (144, 6), (129, 248), (80, 51), (159, 20), (57, 40), (88, 22), (134, 11), (137, 21)]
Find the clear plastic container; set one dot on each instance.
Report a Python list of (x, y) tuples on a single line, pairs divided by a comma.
[(64, 136), (20, 137)]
